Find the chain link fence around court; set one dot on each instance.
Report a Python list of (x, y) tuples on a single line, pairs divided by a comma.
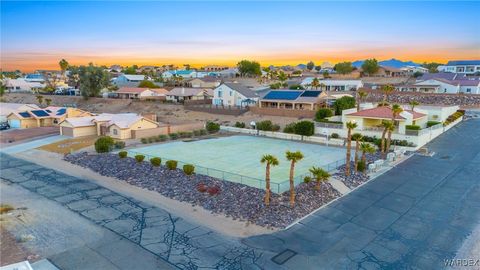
[(243, 179)]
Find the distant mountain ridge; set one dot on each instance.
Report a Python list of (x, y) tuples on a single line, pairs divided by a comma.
[(395, 63)]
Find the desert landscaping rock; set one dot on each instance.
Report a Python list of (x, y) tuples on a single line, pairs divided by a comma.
[(238, 201)]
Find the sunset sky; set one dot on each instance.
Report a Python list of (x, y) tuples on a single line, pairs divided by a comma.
[(36, 35)]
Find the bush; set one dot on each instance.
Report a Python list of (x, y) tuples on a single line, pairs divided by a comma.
[(139, 158), (275, 127), (201, 187), (163, 138), (334, 136), (173, 136), (203, 132), (361, 166), (104, 144), (213, 190), (343, 103), (328, 121), (151, 140), (171, 164), (323, 113), (144, 140), (156, 139), (307, 179), (432, 123), (266, 125), (197, 133), (305, 128), (188, 134), (290, 128), (413, 127), (240, 125), (156, 161), (212, 127), (119, 145), (188, 169), (122, 154)]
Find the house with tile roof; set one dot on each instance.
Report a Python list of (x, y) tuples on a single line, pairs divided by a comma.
[(181, 94), (293, 99), (141, 93), (234, 94), (118, 126), (205, 82), (461, 66), (47, 117), (459, 84), (8, 108)]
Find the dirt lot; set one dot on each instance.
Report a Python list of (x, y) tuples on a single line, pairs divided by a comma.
[(167, 113), (14, 135), (70, 145)]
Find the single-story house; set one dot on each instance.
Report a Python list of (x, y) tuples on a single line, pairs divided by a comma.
[(293, 99), (461, 85), (180, 94), (8, 108), (234, 94), (205, 82), (128, 80), (179, 73), (48, 117), (141, 93), (333, 85), (118, 126), (22, 85)]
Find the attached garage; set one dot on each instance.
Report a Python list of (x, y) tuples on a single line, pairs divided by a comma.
[(67, 128), (67, 131), (14, 123)]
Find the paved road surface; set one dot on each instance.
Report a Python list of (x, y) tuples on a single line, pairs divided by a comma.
[(413, 217)]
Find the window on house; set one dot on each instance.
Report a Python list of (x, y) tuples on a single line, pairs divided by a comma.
[(231, 93), (220, 94), (115, 132)]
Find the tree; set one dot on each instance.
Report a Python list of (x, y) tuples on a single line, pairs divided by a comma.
[(296, 87), (2, 89), (39, 99), (147, 84), (270, 161), (92, 79), (417, 74), (318, 68), (326, 74), (323, 113), (343, 103), (357, 137), (315, 83), (387, 90), (310, 65), (51, 81), (386, 126), (390, 129), (293, 157), (130, 70), (370, 66), (432, 66), (63, 67), (350, 127), (343, 67), (396, 110), (104, 144), (282, 77), (320, 176), (305, 128), (413, 103), (361, 95), (249, 68), (366, 148), (48, 101)]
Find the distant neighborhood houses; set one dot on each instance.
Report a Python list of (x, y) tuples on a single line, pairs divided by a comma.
[(181, 94), (461, 66), (234, 94)]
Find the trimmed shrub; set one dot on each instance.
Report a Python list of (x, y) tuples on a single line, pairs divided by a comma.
[(188, 134), (156, 139), (119, 145), (104, 144), (334, 136), (305, 128), (139, 158), (307, 179), (432, 123), (203, 132), (122, 154), (173, 136), (213, 190), (413, 127), (361, 166), (197, 133), (323, 113), (162, 138), (212, 127), (266, 125), (156, 161), (150, 140), (188, 169), (240, 125), (201, 187), (144, 140), (171, 164), (290, 128)]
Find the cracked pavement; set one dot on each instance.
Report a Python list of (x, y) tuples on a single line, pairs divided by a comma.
[(414, 216)]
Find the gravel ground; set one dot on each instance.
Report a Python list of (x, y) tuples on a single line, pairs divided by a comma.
[(234, 200), (356, 178)]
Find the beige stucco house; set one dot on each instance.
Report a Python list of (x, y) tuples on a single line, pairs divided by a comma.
[(48, 117)]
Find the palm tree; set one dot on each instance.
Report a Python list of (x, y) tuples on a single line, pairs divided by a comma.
[(293, 157), (350, 127), (315, 83), (39, 99), (396, 110), (357, 137), (413, 103), (271, 161), (361, 95), (320, 176), (63, 67), (387, 90), (366, 148), (389, 138), (386, 126), (48, 101)]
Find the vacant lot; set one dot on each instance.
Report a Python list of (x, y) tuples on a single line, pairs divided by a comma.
[(70, 145)]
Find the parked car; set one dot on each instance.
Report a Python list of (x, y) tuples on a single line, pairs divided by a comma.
[(4, 126)]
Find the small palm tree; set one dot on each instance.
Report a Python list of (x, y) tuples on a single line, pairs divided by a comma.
[(357, 137), (271, 161), (48, 101), (387, 90), (361, 95), (320, 176), (40, 99), (413, 103), (366, 148), (293, 157), (386, 126), (396, 110), (350, 127)]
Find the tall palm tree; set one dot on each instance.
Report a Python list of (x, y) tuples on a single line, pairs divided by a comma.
[(366, 148), (361, 95), (413, 103), (315, 83), (386, 126), (282, 77), (357, 137), (387, 90), (270, 161), (396, 110), (350, 127), (320, 176), (389, 139), (63, 67), (293, 157)]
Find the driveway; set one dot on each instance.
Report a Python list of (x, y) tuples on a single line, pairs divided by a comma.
[(31, 144), (414, 216)]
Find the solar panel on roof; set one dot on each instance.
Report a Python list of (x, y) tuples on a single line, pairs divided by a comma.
[(61, 111), (40, 113), (283, 95), (48, 111), (311, 93), (24, 114)]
